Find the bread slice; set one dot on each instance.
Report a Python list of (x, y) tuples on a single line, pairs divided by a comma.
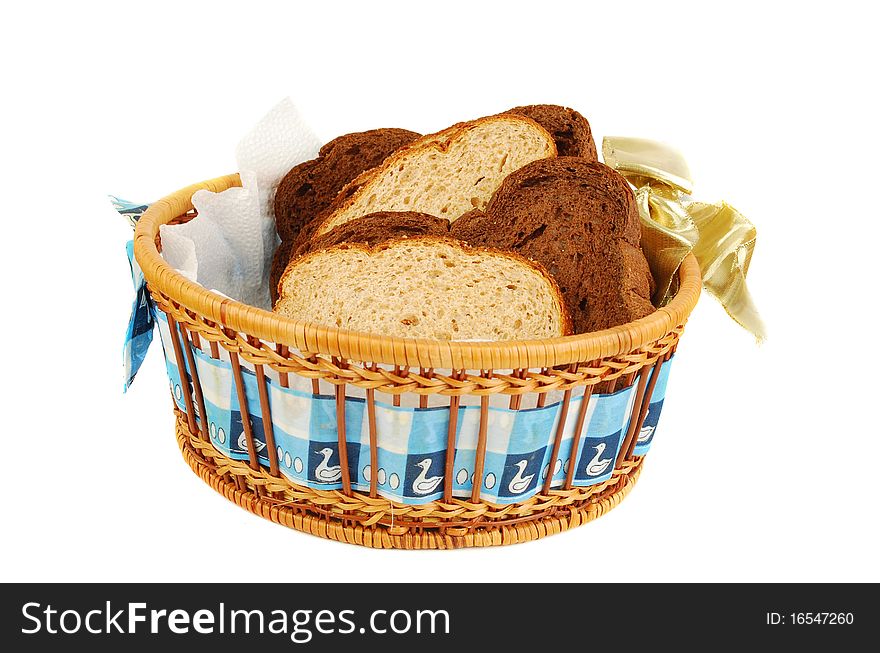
[(369, 230), (310, 187), (580, 221), (425, 287), (445, 174), (569, 129)]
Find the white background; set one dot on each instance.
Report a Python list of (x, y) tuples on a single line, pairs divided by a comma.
[(764, 468)]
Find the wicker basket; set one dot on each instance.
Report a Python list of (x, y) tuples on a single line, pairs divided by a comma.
[(561, 373)]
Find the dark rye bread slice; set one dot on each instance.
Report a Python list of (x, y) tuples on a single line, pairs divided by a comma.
[(370, 230), (579, 220), (310, 187), (569, 129)]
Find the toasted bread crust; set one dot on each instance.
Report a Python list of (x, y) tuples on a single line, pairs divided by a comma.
[(379, 227)]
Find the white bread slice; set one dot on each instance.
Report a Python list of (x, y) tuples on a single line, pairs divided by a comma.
[(445, 174), (424, 287)]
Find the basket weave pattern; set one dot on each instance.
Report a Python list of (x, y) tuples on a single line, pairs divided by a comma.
[(378, 523), (525, 371)]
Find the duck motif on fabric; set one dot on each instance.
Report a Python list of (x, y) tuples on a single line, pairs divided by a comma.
[(598, 465), (519, 483), (424, 484), (324, 472)]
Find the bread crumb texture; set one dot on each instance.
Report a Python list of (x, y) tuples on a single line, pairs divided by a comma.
[(423, 288), (449, 173)]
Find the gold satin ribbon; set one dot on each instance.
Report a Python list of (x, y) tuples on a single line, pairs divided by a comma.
[(674, 225)]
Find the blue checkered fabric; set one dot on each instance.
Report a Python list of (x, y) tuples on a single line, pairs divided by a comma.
[(649, 426), (411, 441)]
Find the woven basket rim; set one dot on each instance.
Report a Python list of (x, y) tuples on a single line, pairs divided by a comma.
[(410, 352)]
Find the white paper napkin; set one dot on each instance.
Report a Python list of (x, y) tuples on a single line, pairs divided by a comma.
[(229, 246)]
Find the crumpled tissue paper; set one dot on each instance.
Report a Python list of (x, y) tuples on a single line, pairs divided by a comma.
[(229, 246)]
